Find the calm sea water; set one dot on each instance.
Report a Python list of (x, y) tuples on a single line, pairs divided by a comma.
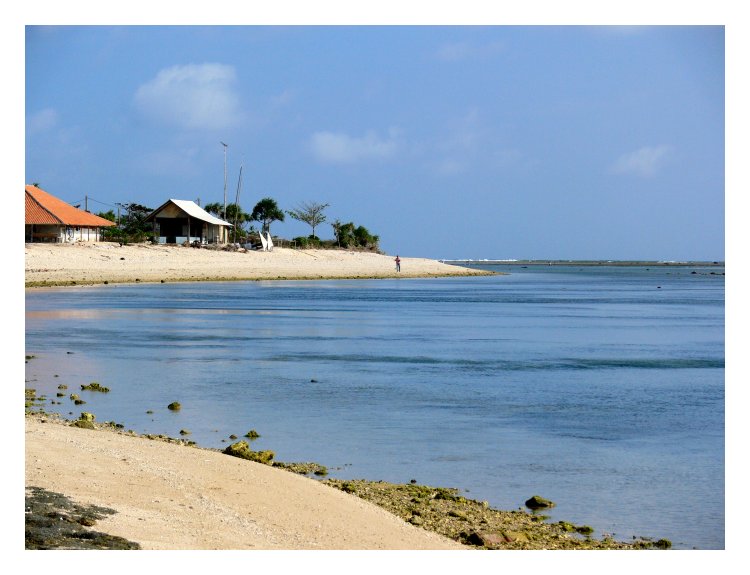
[(600, 388)]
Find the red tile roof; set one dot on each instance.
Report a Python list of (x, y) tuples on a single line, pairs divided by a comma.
[(44, 208)]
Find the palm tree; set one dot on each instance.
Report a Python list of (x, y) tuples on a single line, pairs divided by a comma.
[(265, 212), (216, 209)]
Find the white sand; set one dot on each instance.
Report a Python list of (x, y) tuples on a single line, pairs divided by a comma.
[(96, 263), (170, 496)]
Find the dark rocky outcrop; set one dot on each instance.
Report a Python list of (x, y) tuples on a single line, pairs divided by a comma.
[(537, 502), (54, 522)]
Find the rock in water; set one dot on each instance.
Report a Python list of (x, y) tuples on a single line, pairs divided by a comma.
[(537, 502)]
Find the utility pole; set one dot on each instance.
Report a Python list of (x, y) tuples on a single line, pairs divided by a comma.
[(224, 214), (237, 207)]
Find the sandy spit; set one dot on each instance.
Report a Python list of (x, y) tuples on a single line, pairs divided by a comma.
[(96, 263), (171, 496)]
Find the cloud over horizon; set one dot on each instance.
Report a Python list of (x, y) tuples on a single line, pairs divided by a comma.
[(341, 148), (643, 162), (195, 96)]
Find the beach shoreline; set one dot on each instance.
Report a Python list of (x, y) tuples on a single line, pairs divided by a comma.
[(162, 493), (169, 496), (50, 265)]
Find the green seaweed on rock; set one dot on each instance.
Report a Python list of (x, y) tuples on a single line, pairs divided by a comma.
[(94, 386), (242, 449)]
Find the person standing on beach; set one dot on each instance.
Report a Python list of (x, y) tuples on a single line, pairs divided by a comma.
[(398, 263)]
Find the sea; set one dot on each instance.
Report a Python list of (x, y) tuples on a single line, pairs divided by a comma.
[(599, 387)]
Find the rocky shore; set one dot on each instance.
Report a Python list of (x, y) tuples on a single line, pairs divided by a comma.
[(71, 514)]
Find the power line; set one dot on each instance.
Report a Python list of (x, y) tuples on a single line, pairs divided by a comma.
[(102, 203), (90, 199)]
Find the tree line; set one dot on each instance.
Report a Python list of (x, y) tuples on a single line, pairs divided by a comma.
[(133, 227)]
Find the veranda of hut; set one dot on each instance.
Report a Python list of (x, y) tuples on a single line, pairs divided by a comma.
[(174, 225)]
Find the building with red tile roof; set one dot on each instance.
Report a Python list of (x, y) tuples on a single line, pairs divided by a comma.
[(50, 219)]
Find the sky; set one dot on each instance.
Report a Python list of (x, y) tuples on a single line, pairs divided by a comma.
[(446, 141)]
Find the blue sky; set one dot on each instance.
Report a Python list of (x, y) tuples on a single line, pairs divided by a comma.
[(569, 142)]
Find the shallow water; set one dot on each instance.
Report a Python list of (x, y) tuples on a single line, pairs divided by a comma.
[(600, 388)]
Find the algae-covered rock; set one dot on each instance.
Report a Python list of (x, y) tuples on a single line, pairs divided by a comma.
[(242, 449), (86, 416), (174, 406), (79, 401), (566, 526), (83, 423), (252, 434), (474, 523), (303, 468), (185, 432), (537, 502), (94, 386), (74, 396)]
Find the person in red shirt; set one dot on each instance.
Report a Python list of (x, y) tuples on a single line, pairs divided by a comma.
[(398, 263)]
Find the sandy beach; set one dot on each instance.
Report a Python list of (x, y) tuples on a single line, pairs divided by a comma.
[(169, 496), (96, 263)]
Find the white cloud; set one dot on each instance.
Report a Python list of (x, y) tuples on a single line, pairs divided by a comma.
[(644, 162), (196, 96), (41, 121), (340, 148)]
